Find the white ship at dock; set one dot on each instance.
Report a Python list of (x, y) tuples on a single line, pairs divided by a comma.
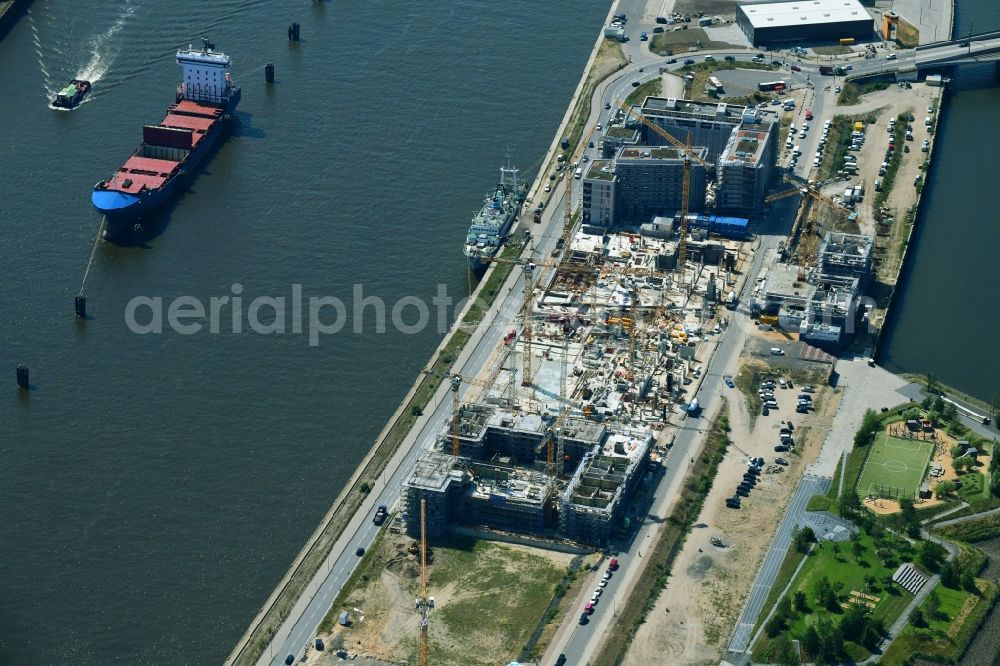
[(491, 224)]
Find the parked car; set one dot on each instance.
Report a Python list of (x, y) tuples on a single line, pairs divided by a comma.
[(780, 448), (780, 461), (809, 389)]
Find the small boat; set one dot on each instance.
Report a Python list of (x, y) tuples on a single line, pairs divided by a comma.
[(70, 97)]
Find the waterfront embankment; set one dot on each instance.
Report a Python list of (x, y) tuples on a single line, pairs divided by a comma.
[(304, 578)]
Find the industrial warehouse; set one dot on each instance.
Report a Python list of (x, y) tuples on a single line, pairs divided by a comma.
[(800, 21)]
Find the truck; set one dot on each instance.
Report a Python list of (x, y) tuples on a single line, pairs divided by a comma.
[(826, 70), (694, 408), (731, 300), (613, 564), (381, 514)]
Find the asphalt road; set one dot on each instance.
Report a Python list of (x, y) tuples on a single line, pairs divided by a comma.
[(361, 531), (581, 642), (808, 486)]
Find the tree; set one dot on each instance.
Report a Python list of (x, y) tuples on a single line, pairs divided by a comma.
[(810, 641), (800, 602), (945, 489), (933, 387), (933, 606), (857, 549), (870, 423), (803, 537), (784, 652), (969, 582), (870, 582), (774, 626), (917, 618), (934, 415), (950, 575), (930, 556), (853, 623), (826, 595), (957, 451), (784, 610), (831, 642)]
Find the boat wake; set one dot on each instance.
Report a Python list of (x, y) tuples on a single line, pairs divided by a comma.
[(55, 50), (102, 57)]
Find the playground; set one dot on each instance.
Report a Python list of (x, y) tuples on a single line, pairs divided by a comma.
[(895, 468)]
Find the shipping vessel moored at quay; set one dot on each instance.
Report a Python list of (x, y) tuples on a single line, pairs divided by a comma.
[(492, 223), (172, 149)]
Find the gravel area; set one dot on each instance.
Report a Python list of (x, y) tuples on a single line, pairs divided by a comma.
[(864, 388)]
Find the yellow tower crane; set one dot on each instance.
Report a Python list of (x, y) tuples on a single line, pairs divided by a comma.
[(688, 157), (807, 234), (423, 582), (530, 267), (456, 382)]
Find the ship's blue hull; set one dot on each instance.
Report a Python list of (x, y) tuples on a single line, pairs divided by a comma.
[(123, 210)]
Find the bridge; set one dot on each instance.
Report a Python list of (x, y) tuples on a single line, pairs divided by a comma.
[(983, 47)]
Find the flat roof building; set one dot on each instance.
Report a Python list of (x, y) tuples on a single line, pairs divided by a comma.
[(803, 21), (649, 182)]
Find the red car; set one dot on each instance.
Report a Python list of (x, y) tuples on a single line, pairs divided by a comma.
[(809, 114)]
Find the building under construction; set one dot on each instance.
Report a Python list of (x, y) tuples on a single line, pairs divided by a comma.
[(569, 424), (499, 481), (642, 174), (821, 304)]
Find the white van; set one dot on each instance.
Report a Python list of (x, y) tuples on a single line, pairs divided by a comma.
[(798, 150), (791, 129), (578, 173), (788, 143)]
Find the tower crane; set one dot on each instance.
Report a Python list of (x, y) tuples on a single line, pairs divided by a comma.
[(688, 157), (529, 266), (423, 582), (807, 234), (456, 382)]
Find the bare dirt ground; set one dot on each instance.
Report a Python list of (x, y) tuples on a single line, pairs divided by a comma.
[(888, 104), (384, 619), (694, 616)]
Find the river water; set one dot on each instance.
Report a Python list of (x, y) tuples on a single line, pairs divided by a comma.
[(945, 319), (154, 488)]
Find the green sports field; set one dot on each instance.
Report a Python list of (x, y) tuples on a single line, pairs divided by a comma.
[(895, 467)]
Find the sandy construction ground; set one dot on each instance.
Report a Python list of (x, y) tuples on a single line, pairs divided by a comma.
[(888, 104), (696, 612)]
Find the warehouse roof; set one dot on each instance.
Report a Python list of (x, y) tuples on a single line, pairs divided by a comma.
[(803, 12)]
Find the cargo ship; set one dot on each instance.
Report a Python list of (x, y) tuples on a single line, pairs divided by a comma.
[(70, 97), (172, 149), (490, 225)]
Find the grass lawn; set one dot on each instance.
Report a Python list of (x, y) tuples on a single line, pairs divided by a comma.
[(678, 43), (973, 488), (788, 565), (838, 564), (651, 88), (946, 636), (895, 467), (498, 596)]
